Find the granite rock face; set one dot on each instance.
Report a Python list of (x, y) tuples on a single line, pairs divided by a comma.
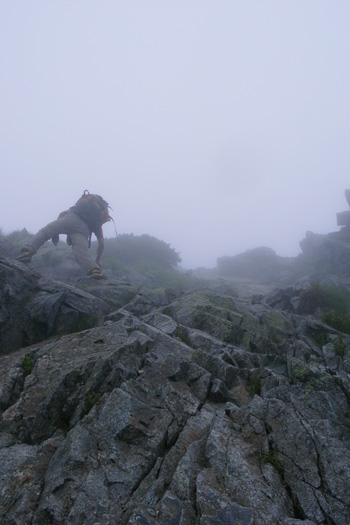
[(34, 308), (203, 407)]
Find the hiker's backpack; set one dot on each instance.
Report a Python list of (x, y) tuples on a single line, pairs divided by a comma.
[(93, 209)]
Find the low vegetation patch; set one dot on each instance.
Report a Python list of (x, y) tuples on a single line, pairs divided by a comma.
[(254, 386), (339, 346), (333, 301), (321, 338), (27, 365), (90, 399), (182, 334), (273, 459), (326, 297), (84, 323), (129, 249), (338, 321)]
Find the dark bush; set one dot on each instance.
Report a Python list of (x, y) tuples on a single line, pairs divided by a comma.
[(324, 297), (130, 250)]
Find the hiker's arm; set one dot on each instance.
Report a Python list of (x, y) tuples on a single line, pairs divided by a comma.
[(100, 248)]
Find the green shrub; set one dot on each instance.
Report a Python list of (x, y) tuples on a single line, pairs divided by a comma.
[(273, 458), (321, 338), (338, 321), (130, 250), (79, 325), (18, 237), (90, 399), (333, 301), (27, 365), (330, 297), (339, 346), (182, 334), (163, 277), (255, 386)]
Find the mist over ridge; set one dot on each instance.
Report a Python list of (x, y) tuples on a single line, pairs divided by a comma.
[(215, 128)]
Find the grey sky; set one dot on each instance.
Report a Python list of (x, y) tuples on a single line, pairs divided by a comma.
[(216, 126)]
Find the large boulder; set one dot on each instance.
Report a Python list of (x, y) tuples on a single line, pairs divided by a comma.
[(34, 308)]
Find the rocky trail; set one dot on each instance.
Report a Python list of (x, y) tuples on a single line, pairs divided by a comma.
[(127, 404)]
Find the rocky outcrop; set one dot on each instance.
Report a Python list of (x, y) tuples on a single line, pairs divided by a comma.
[(321, 255), (205, 406), (261, 264), (327, 254), (34, 308)]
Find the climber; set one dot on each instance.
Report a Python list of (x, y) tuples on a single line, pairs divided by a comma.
[(78, 223)]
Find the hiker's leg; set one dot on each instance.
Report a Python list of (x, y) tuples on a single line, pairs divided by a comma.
[(44, 235), (69, 224), (80, 250)]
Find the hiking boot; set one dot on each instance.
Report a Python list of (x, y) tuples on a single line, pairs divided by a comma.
[(95, 273), (26, 256)]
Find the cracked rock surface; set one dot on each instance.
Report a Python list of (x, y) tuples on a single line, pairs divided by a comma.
[(203, 407)]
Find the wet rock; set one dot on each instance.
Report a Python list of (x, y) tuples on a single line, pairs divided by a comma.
[(34, 308), (200, 407)]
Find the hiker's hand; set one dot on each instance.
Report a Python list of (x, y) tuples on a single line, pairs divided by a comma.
[(55, 239)]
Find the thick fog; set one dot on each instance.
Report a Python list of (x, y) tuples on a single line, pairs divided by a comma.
[(215, 125)]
